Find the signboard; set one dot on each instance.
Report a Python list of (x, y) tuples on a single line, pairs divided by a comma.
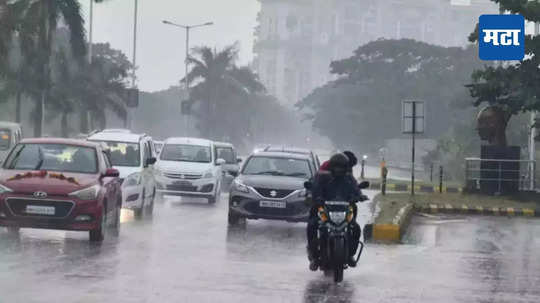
[(501, 37), (413, 111)]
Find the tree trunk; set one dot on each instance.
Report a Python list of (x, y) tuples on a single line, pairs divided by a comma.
[(36, 119), (84, 121), (18, 107), (64, 125)]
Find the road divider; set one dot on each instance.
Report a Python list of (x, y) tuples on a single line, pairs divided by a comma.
[(399, 187), (477, 210)]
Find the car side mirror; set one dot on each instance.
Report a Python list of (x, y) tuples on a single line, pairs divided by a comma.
[(238, 160), (364, 185), (151, 161), (308, 185), (111, 173), (220, 161)]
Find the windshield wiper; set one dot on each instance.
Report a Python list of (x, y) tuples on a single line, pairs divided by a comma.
[(296, 175), (270, 172), (41, 159)]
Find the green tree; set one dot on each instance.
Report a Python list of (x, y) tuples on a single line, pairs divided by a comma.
[(362, 108), (511, 87), (40, 20), (223, 92)]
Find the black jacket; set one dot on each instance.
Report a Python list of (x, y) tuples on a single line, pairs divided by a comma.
[(327, 188)]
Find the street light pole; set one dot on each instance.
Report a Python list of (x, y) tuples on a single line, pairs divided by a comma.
[(362, 172), (186, 117), (131, 111), (186, 80)]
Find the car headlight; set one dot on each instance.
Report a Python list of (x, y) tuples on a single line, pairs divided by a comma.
[(302, 193), (241, 187), (90, 193), (4, 189), (133, 179), (209, 174)]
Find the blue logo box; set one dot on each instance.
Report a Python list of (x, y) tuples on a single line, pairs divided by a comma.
[(501, 37)]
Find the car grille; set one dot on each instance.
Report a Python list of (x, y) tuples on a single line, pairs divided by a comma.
[(62, 208), (278, 193), (189, 188), (182, 176)]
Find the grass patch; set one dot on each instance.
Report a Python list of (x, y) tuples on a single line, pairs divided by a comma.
[(521, 200), (417, 182)]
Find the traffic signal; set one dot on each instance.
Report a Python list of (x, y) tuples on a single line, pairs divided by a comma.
[(186, 107), (536, 125), (132, 99)]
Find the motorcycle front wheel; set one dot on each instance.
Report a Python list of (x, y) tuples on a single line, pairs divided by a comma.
[(339, 259)]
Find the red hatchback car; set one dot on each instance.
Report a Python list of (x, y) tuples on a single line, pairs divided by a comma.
[(59, 184)]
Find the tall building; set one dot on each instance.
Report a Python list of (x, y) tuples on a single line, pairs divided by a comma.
[(297, 39)]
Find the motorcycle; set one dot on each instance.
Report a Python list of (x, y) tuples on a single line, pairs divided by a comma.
[(333, 236)]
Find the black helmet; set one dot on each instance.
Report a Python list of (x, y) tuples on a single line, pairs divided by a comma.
[(339, 165), (352, 158)]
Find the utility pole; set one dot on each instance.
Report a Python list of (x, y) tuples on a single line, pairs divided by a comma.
[(532, 145), (186, 80), (131, 111)]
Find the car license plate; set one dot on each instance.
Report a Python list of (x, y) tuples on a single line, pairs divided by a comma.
[(182, 183), (40, 210), (273, 204)]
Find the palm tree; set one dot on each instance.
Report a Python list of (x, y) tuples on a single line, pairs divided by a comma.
[(219, 80), (42, 18)]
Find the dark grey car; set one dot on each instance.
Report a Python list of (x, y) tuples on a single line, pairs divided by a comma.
[(271, 186)]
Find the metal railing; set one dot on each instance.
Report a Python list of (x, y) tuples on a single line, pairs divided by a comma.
[(500, 174)]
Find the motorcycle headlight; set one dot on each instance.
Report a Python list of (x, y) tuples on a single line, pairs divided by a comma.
[(132, 180), (4, 189), (208, 175), (240, 187), (90, 193), (337, 216)]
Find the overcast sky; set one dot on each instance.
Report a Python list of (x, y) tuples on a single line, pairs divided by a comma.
[(161, 48)]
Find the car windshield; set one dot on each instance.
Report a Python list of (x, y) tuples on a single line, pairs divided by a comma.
[(5, 136), (123, 153), (227, 154), (53, 157), (277, 167), (186, 153)]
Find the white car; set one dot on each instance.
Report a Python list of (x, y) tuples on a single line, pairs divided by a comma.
[(133, 156), (188, 167)]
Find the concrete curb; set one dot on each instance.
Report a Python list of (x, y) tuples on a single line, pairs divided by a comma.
[(393, 232), (418, 188), (478, 210)]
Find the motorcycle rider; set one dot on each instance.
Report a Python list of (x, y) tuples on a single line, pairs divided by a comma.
[(335, 184)]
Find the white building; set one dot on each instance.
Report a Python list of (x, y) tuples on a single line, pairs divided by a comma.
[(297, 39)]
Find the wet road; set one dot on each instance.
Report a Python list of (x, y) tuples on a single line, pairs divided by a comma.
[(187, 254)]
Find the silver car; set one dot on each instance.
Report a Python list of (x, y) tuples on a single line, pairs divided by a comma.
[(271, 186)]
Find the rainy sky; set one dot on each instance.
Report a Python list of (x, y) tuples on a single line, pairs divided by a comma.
[(161, 48)]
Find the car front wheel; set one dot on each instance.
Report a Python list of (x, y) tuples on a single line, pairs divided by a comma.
[(98, 234)]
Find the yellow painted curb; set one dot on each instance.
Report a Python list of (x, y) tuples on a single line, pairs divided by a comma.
[(386, 232), (510, 211), (528, 212)]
